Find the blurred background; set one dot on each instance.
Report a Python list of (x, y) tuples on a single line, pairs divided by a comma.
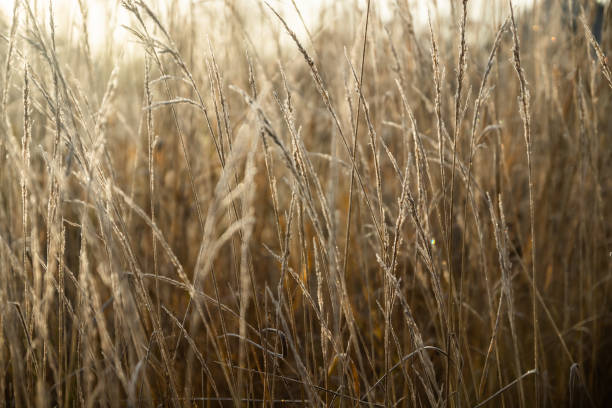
[(106, 16)]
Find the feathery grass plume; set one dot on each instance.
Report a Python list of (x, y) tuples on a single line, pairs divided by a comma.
[(505, 388), (501, 240), (601, 57), (25, 174), (222, 99), (437, 78), (151, 168), (461, 67), (525, 113), (268, 158), (8, 66), (84, 10)]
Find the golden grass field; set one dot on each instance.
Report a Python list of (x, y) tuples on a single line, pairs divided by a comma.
[(229, 206)]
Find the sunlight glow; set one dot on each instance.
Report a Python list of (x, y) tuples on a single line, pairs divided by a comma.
[(106, 17)]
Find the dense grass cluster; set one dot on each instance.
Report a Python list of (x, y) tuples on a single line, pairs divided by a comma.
[(371, 212)]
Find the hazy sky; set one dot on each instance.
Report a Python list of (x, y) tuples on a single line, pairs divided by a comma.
[(100, 26)]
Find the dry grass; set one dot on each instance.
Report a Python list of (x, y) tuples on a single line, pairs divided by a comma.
[(238, 214)]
